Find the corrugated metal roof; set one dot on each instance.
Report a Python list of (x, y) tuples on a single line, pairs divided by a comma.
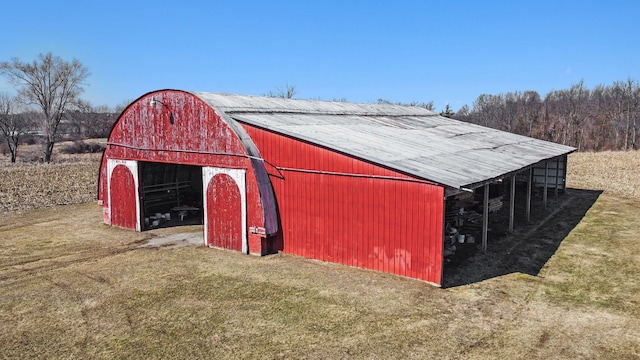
[(412, 140)]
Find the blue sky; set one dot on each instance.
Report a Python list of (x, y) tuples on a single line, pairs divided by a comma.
[(402, 51)]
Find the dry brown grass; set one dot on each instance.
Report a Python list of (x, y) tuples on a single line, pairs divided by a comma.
[(617, 172), (72, 287)]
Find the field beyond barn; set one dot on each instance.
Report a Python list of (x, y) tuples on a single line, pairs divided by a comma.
[(73, 287)]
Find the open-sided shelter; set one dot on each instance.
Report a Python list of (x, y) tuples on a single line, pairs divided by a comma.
[(364, 185)]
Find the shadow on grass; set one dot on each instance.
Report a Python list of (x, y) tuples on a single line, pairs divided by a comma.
[(528, 248)]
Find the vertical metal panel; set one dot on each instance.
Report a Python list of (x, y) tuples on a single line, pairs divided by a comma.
[(124, 209), (224, 219), (388, 217), (551, 173), (388, 225)]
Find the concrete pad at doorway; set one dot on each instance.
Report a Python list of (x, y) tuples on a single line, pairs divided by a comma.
[(176, 240)]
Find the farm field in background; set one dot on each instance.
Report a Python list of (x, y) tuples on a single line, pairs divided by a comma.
[(29, 185), (69, 179), (73, 287)]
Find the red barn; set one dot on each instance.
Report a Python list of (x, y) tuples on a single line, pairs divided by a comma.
[(358, 184)]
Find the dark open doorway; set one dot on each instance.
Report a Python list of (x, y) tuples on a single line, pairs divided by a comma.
[(171, 195)]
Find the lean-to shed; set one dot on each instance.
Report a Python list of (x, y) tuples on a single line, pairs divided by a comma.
[(358, 184)]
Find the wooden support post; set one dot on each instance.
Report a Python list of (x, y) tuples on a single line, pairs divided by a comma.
[(564, 173), (557, 176), (485, 218), (529, 179), (546, 180), (512, 202)]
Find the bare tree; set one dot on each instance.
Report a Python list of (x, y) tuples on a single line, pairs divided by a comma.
[(87, 121), (578, 97), (510, 111), (463, 113), (447, 112), (489, 109), (425, 105), (285, 93), (76, 119), (121, 107), (628, 100), (51, 84), (421, 104), (530, 105), (13, 125), (606, 117), (604, 132), (101, 122)]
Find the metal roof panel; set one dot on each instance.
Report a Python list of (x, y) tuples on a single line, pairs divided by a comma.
[(412, 140)]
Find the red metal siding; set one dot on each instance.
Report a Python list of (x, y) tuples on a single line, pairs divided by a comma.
[(124, 199), (224, 213), (332, 207), (382, 220)]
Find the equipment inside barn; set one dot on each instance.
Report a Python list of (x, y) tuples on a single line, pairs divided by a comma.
[(464, 211), (171, 194)]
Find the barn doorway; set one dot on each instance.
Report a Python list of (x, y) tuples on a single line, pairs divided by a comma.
[(171, 195)]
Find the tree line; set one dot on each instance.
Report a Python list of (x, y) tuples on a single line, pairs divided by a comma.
[(49, 88), (603, 118)]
